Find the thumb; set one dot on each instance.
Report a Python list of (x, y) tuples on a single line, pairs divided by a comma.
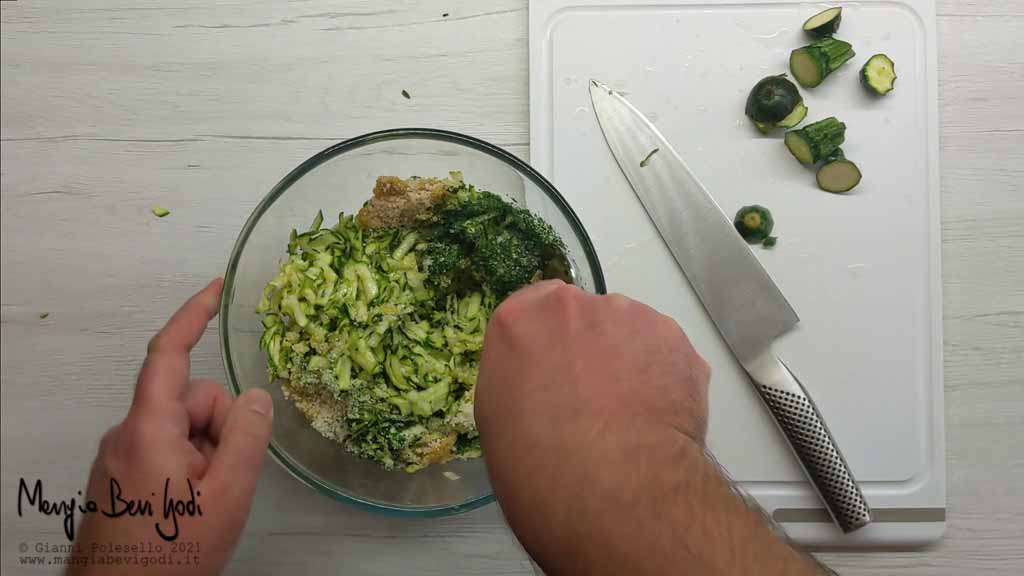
[(236, 463)]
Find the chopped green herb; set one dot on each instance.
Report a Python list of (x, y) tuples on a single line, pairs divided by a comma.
[(770, 242), (405, 94), (478, 238), (160, 211), (44, 315), (647, 159)]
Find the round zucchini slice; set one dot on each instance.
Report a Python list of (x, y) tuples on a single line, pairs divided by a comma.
[(879, 74), (838, 176), (824, 23)]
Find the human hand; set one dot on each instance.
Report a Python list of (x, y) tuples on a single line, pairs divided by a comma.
[(592, 413), (185, 437)]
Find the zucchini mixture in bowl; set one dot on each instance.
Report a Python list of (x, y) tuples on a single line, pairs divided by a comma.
[(374, 325)]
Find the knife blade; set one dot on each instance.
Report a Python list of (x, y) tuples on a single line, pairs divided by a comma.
[(742, 300)]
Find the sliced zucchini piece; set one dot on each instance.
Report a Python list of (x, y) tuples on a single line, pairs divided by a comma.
[(772, 99), (764, 128), (838, 176), (160, 211), (824, 23), (836, 154), (816, 142), (795, 117), (813, 63), (754, 223), (879, 74)]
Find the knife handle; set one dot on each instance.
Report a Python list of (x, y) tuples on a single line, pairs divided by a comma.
[(805, 430)]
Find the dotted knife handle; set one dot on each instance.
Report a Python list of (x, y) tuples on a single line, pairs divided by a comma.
[(804, 428)]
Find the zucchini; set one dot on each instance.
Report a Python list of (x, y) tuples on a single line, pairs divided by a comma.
[(160, 211), (754, 223), (816, 142), (837, 176), (836, 154), (772, 99), (824, 23), (813, 63), (795, 117), (878, 74)]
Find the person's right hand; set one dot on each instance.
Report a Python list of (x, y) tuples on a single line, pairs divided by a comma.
[(592, 413)]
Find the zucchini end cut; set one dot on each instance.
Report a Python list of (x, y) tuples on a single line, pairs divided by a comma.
[(838, 176), (799, 147), (807, 67), (879, 74), (795, 117), (824, 23)]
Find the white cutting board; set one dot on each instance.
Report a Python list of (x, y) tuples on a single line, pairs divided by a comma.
[(861, 270)]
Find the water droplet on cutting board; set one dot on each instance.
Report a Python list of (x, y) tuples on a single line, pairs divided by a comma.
[(773, 35), (629, 249), (639, 243)]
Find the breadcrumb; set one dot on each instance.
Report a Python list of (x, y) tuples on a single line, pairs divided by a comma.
[(326, 414), (398, 203)]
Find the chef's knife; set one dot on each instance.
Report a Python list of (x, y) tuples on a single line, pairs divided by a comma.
[(742, 300)]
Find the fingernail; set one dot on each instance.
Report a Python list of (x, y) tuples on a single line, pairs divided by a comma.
[(259, 402)]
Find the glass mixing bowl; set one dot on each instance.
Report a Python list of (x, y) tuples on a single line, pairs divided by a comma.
[(340, 179)]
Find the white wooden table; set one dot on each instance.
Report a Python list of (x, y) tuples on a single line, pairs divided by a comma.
[(109, 107)]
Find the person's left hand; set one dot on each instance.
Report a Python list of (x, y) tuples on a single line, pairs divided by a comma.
[(177, 433)]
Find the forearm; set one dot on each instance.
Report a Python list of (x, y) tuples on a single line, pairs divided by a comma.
[(723, 534), (659, 507)]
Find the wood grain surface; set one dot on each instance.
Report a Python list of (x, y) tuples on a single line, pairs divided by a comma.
[(109, 107)]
